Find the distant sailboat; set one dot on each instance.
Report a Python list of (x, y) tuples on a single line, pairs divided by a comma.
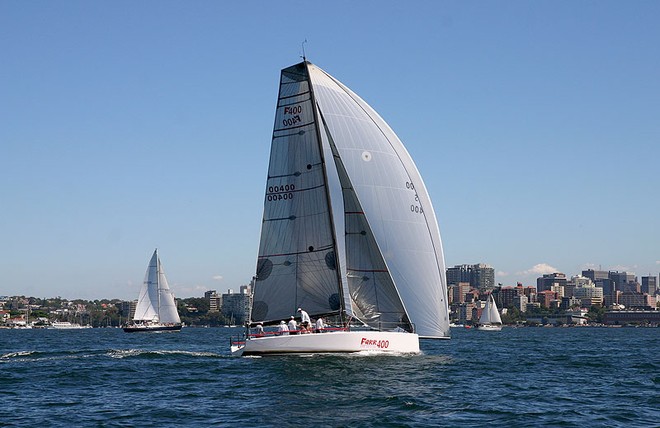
[(490, 317), (156, 308), (348, 230)]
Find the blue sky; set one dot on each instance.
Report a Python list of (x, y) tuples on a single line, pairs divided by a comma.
[(126, 126)]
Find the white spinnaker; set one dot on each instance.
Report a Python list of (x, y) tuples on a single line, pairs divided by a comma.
[(395, 201)]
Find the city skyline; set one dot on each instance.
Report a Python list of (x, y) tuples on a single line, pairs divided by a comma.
[(128, 127)]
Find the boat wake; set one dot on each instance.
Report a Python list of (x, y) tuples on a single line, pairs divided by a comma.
[(25, 356), (128, 353)]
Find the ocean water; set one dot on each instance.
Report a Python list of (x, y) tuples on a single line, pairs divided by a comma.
[(550, 377)]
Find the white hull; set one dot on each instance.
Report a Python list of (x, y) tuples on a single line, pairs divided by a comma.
[(489, 327), (66, 326), (331, 342)]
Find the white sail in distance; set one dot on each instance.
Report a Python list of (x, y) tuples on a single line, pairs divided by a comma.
[(156, 302), (490, 314)]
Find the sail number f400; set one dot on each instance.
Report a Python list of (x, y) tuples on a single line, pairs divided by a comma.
[(373, 343), (294, 115)]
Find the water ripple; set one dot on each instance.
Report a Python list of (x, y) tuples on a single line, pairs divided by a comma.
[(520, 377)]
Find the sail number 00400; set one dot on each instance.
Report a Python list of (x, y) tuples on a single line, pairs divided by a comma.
[(282, 192)]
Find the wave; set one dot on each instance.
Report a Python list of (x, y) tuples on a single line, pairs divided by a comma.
[(18, 354)]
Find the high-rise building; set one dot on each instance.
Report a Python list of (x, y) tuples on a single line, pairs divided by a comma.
[(621, 280), (595, 275), (546, 297), (479, 276), (520, 302), (458, 292), (127, 308), (649, 285), (507, 295), (214, 299), (551, 281), (236, 306), (583, 288)]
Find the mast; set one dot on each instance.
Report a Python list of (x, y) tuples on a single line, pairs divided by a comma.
[(158, 281), (327, 187)]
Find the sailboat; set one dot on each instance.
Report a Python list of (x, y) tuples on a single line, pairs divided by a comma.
[(490, 317), (348, 231), (156, 308)]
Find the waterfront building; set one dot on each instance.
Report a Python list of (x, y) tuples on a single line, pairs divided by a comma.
[(236, 306), (479, 276), (126, 308), (632, 299), (465, 312), (577, 316), (638, 317)]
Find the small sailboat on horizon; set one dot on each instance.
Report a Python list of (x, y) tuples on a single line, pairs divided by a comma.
[(490, 319), (156, 307)]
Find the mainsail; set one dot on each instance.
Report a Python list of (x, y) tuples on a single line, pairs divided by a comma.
[(156, 301), (348, 224)]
